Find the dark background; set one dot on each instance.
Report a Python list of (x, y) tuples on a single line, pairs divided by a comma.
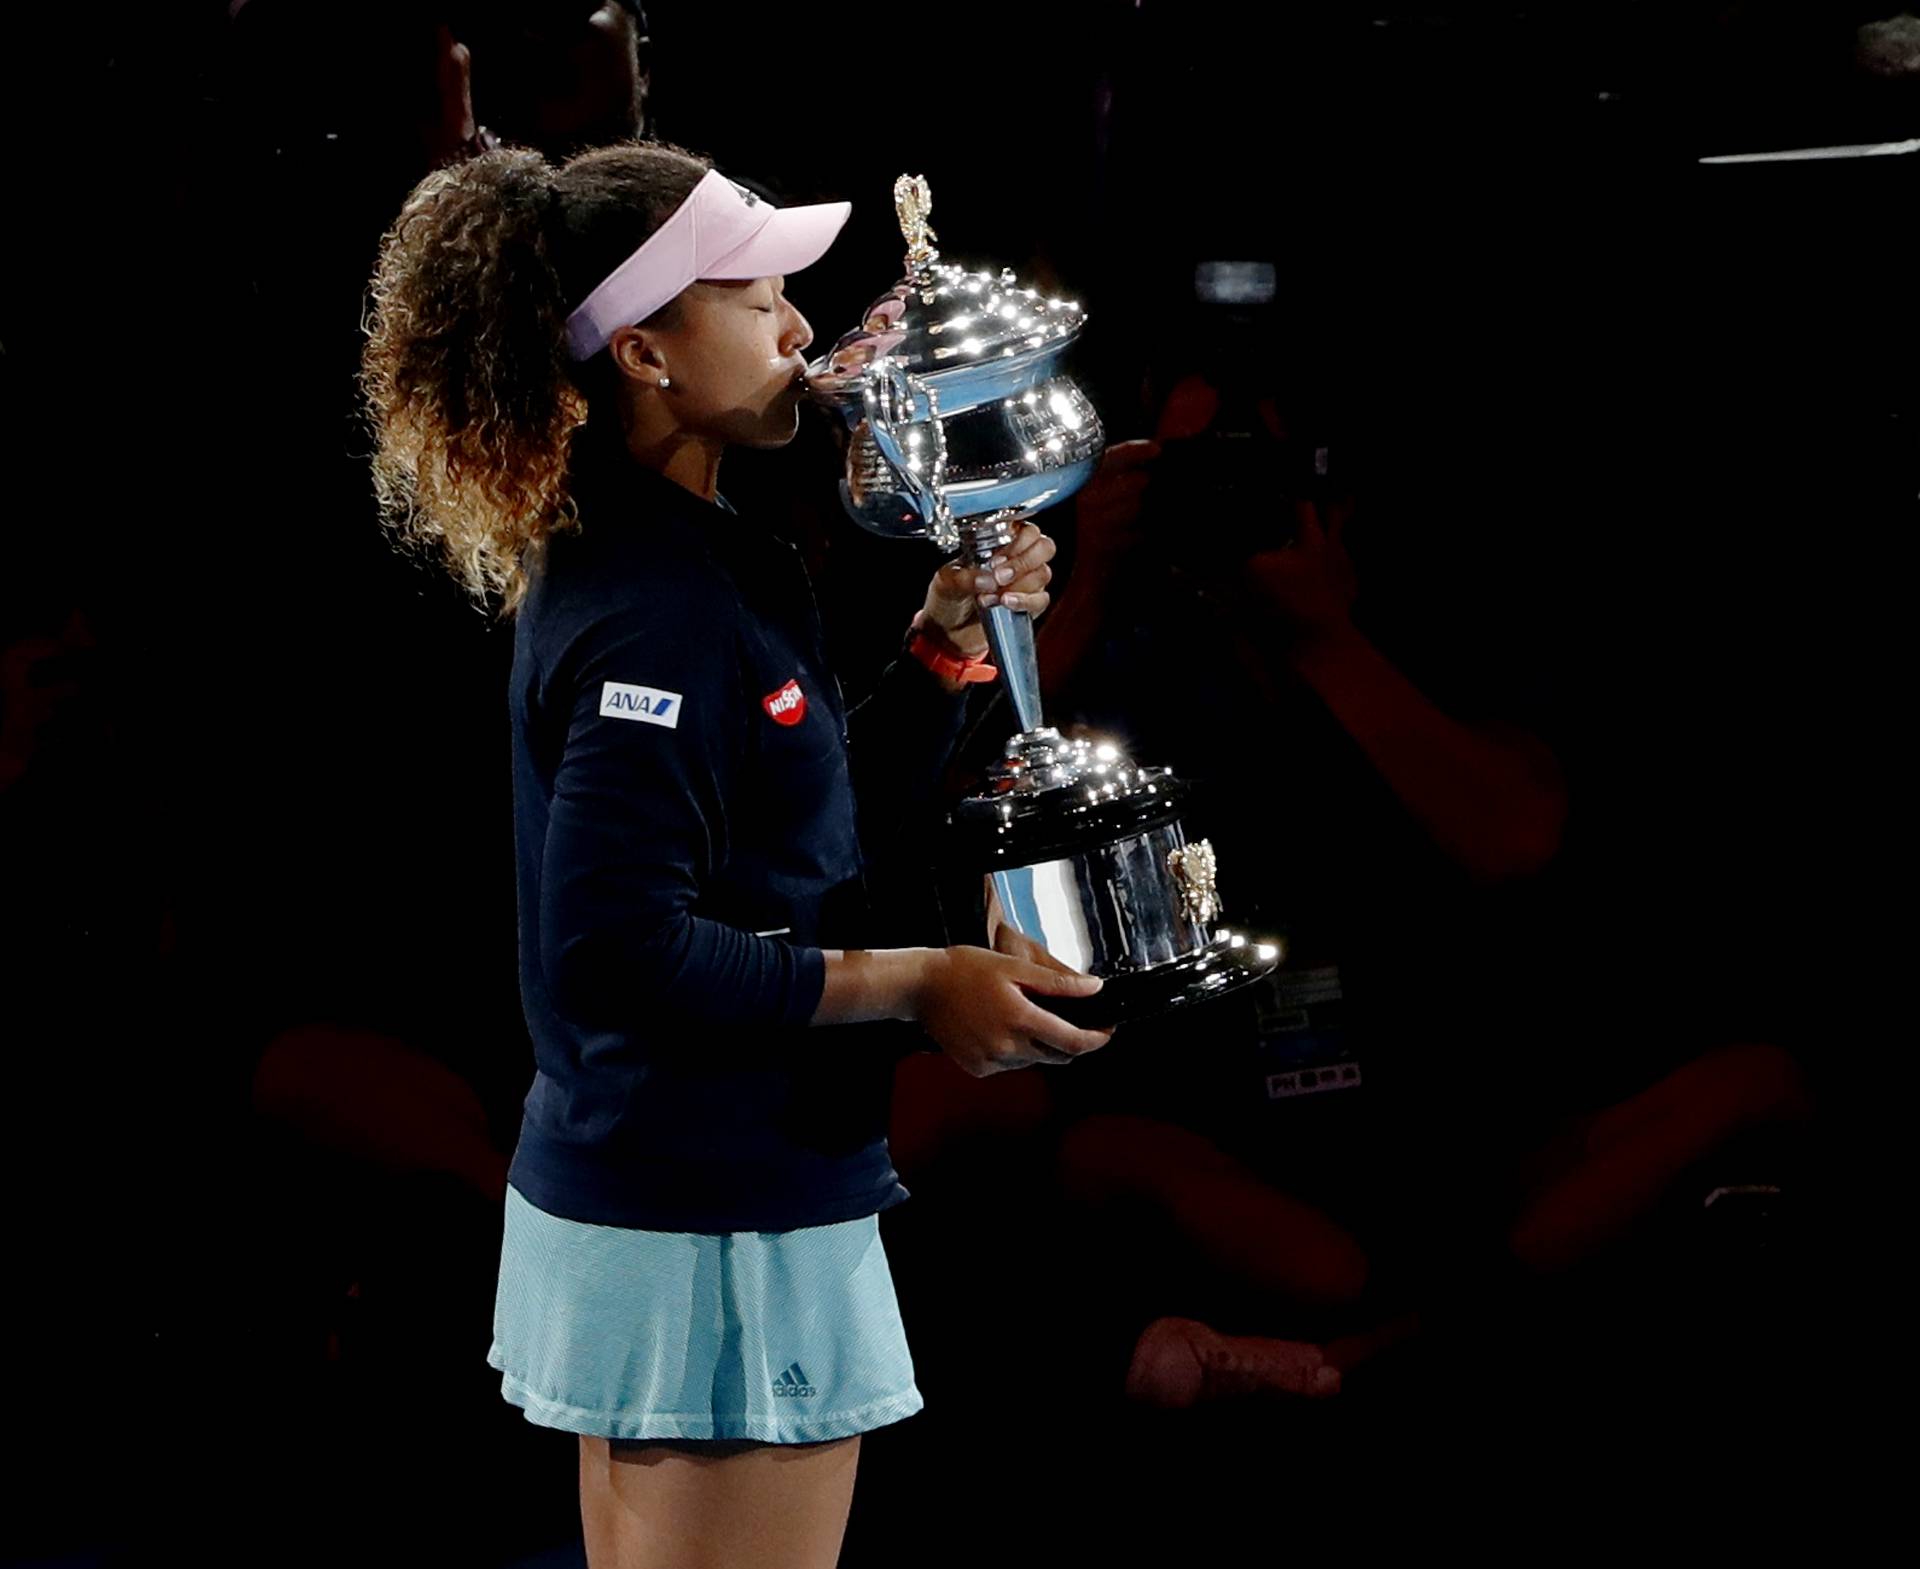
[(1671, 407)]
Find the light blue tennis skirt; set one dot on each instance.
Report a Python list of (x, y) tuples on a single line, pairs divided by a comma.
[(786, 1337)]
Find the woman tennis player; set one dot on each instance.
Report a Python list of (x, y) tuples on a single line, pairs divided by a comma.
[(691, 1273)]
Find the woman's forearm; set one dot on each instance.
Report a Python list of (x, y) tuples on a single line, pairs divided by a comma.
[(880, 983)]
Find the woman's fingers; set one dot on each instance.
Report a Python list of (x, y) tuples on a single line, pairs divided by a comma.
[(1030, 582), (1014, 579), (1030, 549), (1039, 954), (1041, 1055), (1036, 552), (1026, 556), (1018, 576), (1044, 1028)]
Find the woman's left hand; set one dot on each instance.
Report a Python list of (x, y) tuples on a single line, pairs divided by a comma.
[(1017, 577)]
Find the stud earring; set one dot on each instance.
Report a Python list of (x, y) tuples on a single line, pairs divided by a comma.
[(665, 382)]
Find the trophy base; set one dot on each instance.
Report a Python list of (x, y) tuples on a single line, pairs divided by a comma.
[(1226, 964)]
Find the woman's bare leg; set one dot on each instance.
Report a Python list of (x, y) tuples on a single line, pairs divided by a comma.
[(715, 1504)]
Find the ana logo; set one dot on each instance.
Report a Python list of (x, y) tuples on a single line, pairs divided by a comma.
[(788, 706), (647, 704), (793, 1383)]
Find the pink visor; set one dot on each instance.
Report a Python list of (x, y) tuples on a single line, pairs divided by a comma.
[(721, 230)]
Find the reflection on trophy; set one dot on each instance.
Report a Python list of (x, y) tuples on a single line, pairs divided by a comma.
[(963, 424)]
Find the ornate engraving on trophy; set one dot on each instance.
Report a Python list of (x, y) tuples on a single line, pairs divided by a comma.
[(1195, 872)]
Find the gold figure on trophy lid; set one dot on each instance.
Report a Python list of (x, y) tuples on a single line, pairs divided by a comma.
[(912, 201)]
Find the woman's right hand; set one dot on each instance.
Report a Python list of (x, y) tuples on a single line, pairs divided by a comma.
[(974, 1004)]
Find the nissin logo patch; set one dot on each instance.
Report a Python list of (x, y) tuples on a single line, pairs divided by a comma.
[(788, 706), (647, 704)]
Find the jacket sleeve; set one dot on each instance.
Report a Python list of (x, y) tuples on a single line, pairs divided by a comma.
[(656, 732), (900, 737)]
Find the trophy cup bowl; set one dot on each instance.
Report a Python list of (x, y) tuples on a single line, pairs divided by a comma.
[(962, 422), (960, 368)]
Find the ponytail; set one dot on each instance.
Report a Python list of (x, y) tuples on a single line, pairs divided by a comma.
[(472, 399)]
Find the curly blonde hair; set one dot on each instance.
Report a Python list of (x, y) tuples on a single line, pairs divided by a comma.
[(467, 387)]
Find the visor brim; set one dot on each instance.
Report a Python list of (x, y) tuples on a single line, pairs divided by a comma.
[(792, 239)]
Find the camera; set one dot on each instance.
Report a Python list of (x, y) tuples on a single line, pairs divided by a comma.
[(1229, 491)]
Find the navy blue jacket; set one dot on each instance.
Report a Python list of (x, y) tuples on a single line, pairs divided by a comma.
[(687, 844)]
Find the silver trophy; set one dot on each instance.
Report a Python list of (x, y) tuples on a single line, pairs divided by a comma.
[(963, 423)]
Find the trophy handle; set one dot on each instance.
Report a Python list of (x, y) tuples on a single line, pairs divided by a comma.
[(903, 417)]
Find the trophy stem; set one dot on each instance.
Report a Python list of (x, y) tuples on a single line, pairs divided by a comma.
[(1010, 634)]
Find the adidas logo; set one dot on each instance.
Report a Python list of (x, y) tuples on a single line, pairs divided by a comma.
[(793, 1382)]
